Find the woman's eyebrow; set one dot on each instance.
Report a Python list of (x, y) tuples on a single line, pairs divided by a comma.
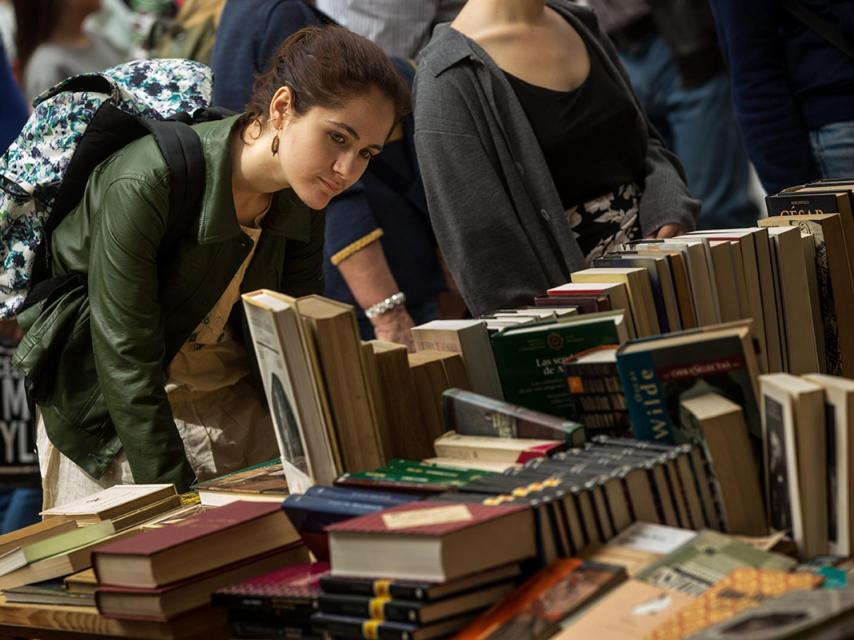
[(354, 133)]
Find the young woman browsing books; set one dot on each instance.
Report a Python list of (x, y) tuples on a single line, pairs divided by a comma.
[(164, 390), (535, 154)]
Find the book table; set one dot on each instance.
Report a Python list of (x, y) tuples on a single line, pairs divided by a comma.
[(49, 622)]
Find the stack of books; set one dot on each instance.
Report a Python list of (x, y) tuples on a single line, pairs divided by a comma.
[(421, 570), (585, 497), (161, 573), (64, 542), (320, 506), (278, 604)]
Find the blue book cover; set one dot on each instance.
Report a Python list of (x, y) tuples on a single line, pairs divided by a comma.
[(311, 513), (384, 498), (657, 378)]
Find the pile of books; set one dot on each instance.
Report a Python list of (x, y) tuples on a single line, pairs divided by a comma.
[(161, 573), (64, 542), (421, 569)]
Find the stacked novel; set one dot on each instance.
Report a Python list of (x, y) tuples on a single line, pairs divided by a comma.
[(161, 573), (439, 564), (278, 604)]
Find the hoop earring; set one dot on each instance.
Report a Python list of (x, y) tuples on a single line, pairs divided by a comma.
[(274, 148)]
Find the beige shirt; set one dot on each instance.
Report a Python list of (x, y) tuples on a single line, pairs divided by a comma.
[(211, 358)]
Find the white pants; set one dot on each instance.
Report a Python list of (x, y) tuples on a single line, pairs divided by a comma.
[(222, 431)]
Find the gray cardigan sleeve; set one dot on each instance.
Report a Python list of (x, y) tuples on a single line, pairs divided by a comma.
[(474, 220), (666, 199)]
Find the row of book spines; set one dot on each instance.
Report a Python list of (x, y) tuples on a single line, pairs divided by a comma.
[(551, 491)]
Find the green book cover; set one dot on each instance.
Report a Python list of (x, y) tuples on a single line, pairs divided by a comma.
[(530, 361), (437, 473), (54, 545), (707, 558)]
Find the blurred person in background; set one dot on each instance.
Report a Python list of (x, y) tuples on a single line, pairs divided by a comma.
[(535, 153), (53, 44), (400, 27), (671, 52), (20, 495), (378, 242), (792, 70)]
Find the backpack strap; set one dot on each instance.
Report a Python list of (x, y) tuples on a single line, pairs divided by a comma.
[(182, 151), (820, 26)]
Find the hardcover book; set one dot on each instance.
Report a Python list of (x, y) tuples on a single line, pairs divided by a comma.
[(473, 414), (530, 359), (169, 601), (413, 611), (201, 543), (414, 590), (515, 450), (352, 627), (293, 586), (426, 541)]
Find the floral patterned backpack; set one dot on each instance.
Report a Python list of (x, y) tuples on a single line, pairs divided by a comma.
[(74, 127)]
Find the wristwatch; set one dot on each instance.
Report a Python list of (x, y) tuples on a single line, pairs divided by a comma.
[(386, 305)]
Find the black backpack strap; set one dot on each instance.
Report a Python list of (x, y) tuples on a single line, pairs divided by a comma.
[(182, 151), (819, 25)]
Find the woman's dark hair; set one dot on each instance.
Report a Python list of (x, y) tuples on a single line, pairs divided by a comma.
[(36, 20), (323, 67)]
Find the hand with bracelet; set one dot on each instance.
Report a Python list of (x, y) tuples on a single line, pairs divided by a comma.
[(369, 278)]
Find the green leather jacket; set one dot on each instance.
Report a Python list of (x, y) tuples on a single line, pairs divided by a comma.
[(98, 355)]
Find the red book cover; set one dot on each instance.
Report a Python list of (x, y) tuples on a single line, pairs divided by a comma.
[(580, 289), (204, 584), (296, 582), (426, 518), (211, 521)]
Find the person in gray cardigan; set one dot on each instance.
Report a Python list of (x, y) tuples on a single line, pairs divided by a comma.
[(535, 154)]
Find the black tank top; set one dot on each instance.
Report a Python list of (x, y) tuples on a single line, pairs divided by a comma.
[(590, 136)]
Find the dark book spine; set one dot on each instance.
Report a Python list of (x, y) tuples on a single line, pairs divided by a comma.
[(355, 606), (349, 627), (801, 204)]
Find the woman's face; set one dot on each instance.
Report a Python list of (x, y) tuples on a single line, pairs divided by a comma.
[(325, 150)]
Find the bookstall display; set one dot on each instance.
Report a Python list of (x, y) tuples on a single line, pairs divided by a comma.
[(659, 448)]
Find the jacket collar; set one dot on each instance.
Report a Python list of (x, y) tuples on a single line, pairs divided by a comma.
[(448, 46), (287, 216)]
